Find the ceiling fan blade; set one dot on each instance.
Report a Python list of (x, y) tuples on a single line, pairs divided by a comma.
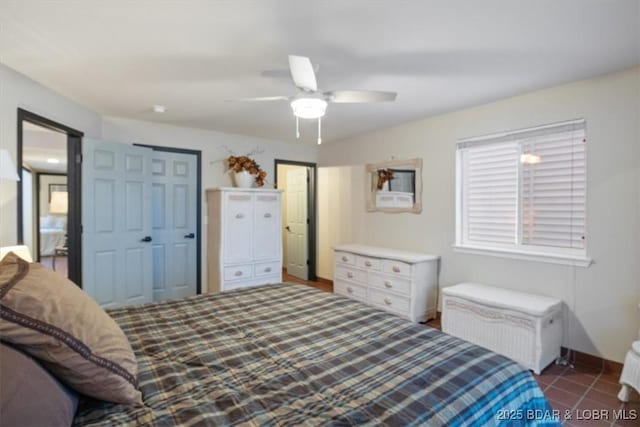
[(302, 73), (345, 96), (262, 98), (283, 73)]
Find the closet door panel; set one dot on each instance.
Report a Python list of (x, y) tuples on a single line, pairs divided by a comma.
[(267, 223), (238, 217)]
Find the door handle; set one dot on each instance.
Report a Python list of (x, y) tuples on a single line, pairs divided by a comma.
[(146, 239), (288, 228), (190, 236)]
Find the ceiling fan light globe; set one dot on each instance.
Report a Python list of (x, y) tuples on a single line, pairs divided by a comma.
[(309, 108)]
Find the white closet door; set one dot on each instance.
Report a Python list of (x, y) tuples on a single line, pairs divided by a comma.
[(174, 183), (267, 225), (116, 219), (238, 218), (297, 223)]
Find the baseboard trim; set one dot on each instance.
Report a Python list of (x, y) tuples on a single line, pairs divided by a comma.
[(585, 359), (576, 357), (325, 281)]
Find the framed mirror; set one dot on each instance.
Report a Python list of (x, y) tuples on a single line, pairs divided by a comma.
[(395, 186)]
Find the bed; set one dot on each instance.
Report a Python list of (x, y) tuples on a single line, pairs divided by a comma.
[(52, 234), (289, 354)]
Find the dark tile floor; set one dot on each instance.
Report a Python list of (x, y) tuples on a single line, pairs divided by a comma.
[(581, 393)]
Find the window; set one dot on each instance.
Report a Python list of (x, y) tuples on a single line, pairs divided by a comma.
[(523, 194)]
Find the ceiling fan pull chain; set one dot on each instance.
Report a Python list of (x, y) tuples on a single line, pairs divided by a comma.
[(319, 131), (297, 129)]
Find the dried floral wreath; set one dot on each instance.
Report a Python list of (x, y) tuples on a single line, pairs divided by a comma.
[(384, 175), (246, 163)]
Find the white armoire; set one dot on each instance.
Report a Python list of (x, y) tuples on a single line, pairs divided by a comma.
[(244, 238)]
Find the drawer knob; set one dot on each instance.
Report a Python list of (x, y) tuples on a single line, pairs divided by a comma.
[(238, 273), (396, 269), (267, 215), (345, 259), (367, 263), (387, 284), (350, 289), (387, 301), (239, 216), (350, 275), (267, 270)]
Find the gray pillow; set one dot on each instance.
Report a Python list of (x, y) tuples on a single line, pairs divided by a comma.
[(29, 395)]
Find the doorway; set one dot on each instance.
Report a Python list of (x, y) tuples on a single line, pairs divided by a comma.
[(49, 193), (298, 182)]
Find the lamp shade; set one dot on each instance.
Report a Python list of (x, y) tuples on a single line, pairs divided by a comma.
[(7, 167), (59, 202)]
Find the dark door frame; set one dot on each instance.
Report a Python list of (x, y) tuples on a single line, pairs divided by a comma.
[(198, 155), (74, 186), (312, 202)]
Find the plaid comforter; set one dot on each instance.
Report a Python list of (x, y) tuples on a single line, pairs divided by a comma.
[(292, 355)]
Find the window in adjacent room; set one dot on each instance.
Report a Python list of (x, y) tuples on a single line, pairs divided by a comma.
[(523, 193)]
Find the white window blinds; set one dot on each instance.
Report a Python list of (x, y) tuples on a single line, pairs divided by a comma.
[(524, 189), (554, 190), (491, 193)]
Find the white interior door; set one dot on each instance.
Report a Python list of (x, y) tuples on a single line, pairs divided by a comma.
[(174, 195), (297, 223), (116, 221)]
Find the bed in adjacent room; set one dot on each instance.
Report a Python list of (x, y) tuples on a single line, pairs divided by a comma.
[(53, 230), (289, 355)]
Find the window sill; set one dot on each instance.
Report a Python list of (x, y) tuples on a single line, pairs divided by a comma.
[(575, 260)]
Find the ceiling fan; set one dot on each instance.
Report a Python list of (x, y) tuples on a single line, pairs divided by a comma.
[(310, 103)]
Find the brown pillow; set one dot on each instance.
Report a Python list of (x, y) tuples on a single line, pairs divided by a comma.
[(31, 396), (53, 320)]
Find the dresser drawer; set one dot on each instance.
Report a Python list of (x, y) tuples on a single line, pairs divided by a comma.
[(349, 273), (350, 290), (345, 258), (396, 267), (390, 302), (368, 263), (391, 283), (266, 268), (237, 285), (238, 272)]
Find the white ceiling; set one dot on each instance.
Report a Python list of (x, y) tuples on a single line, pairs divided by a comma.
[(40, 144), (120, 57)]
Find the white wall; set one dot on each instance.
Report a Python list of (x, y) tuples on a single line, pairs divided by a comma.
[(28, 210), (604, 297), (18, 91), (214, 147), (341, 204)]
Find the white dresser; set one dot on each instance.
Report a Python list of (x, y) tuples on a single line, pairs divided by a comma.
[(401, 282), (244, 238)]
